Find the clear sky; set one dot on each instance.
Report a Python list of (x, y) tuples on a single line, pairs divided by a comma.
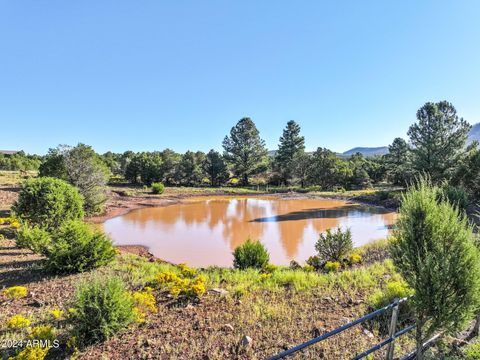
[(146, 75)]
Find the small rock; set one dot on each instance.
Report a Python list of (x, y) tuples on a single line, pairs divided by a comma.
[(316, 332), (368, 333), (219, 291), (36, 303), (228, 327), (246, 342)]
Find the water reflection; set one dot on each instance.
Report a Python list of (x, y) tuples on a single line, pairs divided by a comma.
[(204, 232)]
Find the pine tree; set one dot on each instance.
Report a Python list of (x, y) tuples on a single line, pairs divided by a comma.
[(291, 145), (398, 162), (215, 168), (245, 150), (438, 140)]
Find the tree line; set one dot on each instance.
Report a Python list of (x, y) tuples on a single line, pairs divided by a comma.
[(437, 146)]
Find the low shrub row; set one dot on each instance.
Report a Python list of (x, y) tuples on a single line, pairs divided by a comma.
[(334, 251)]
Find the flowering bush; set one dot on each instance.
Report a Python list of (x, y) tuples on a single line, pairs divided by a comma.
[(42, 333), (332, 266), (179, 285), (12, 221), (145, 300), (18, 322), (31, 353), (56, 313), (187, 271), (354, 259), (15, 292)]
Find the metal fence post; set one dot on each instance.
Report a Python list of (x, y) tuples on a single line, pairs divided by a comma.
[(392, 330)]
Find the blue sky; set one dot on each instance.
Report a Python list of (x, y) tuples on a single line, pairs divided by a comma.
[(145, 75)]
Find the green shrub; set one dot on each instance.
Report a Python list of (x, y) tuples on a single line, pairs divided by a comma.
[(76, 247), (334, 245), (102, 308), (315, 262), (48, 202), (33, 238), (294, 265), (158, 188), (252, 254)]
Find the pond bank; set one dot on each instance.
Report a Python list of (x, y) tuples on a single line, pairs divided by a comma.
[(120, 204)]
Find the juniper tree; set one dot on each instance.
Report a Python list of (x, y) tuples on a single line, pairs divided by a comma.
[(434, 251), (81, 167)]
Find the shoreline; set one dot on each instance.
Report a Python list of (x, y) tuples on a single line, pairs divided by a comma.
[(119, 205)]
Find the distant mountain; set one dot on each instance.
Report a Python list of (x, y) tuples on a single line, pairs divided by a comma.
[(382, 150), (366, 151), (474, 133)]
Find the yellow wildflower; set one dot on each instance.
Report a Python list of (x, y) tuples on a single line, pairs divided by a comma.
[(31, 353), (56, 313), (15, 292), (18, 322), (42, 333)]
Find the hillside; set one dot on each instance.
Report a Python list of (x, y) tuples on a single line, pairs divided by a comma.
[(474, 133), (367, 151)]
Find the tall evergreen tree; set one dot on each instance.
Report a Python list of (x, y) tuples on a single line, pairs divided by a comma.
[(215, 168), (397, 162), (438, 140), (245, 150), (291, 145)]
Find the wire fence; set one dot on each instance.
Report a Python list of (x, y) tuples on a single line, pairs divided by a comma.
[(393, 334)]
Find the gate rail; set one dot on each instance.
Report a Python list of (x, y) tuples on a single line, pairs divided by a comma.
[(390, 341)]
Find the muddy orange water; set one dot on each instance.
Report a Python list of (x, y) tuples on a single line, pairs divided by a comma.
[(204, 231)]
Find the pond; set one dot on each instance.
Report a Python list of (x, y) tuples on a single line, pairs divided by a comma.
[(204, 231)]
